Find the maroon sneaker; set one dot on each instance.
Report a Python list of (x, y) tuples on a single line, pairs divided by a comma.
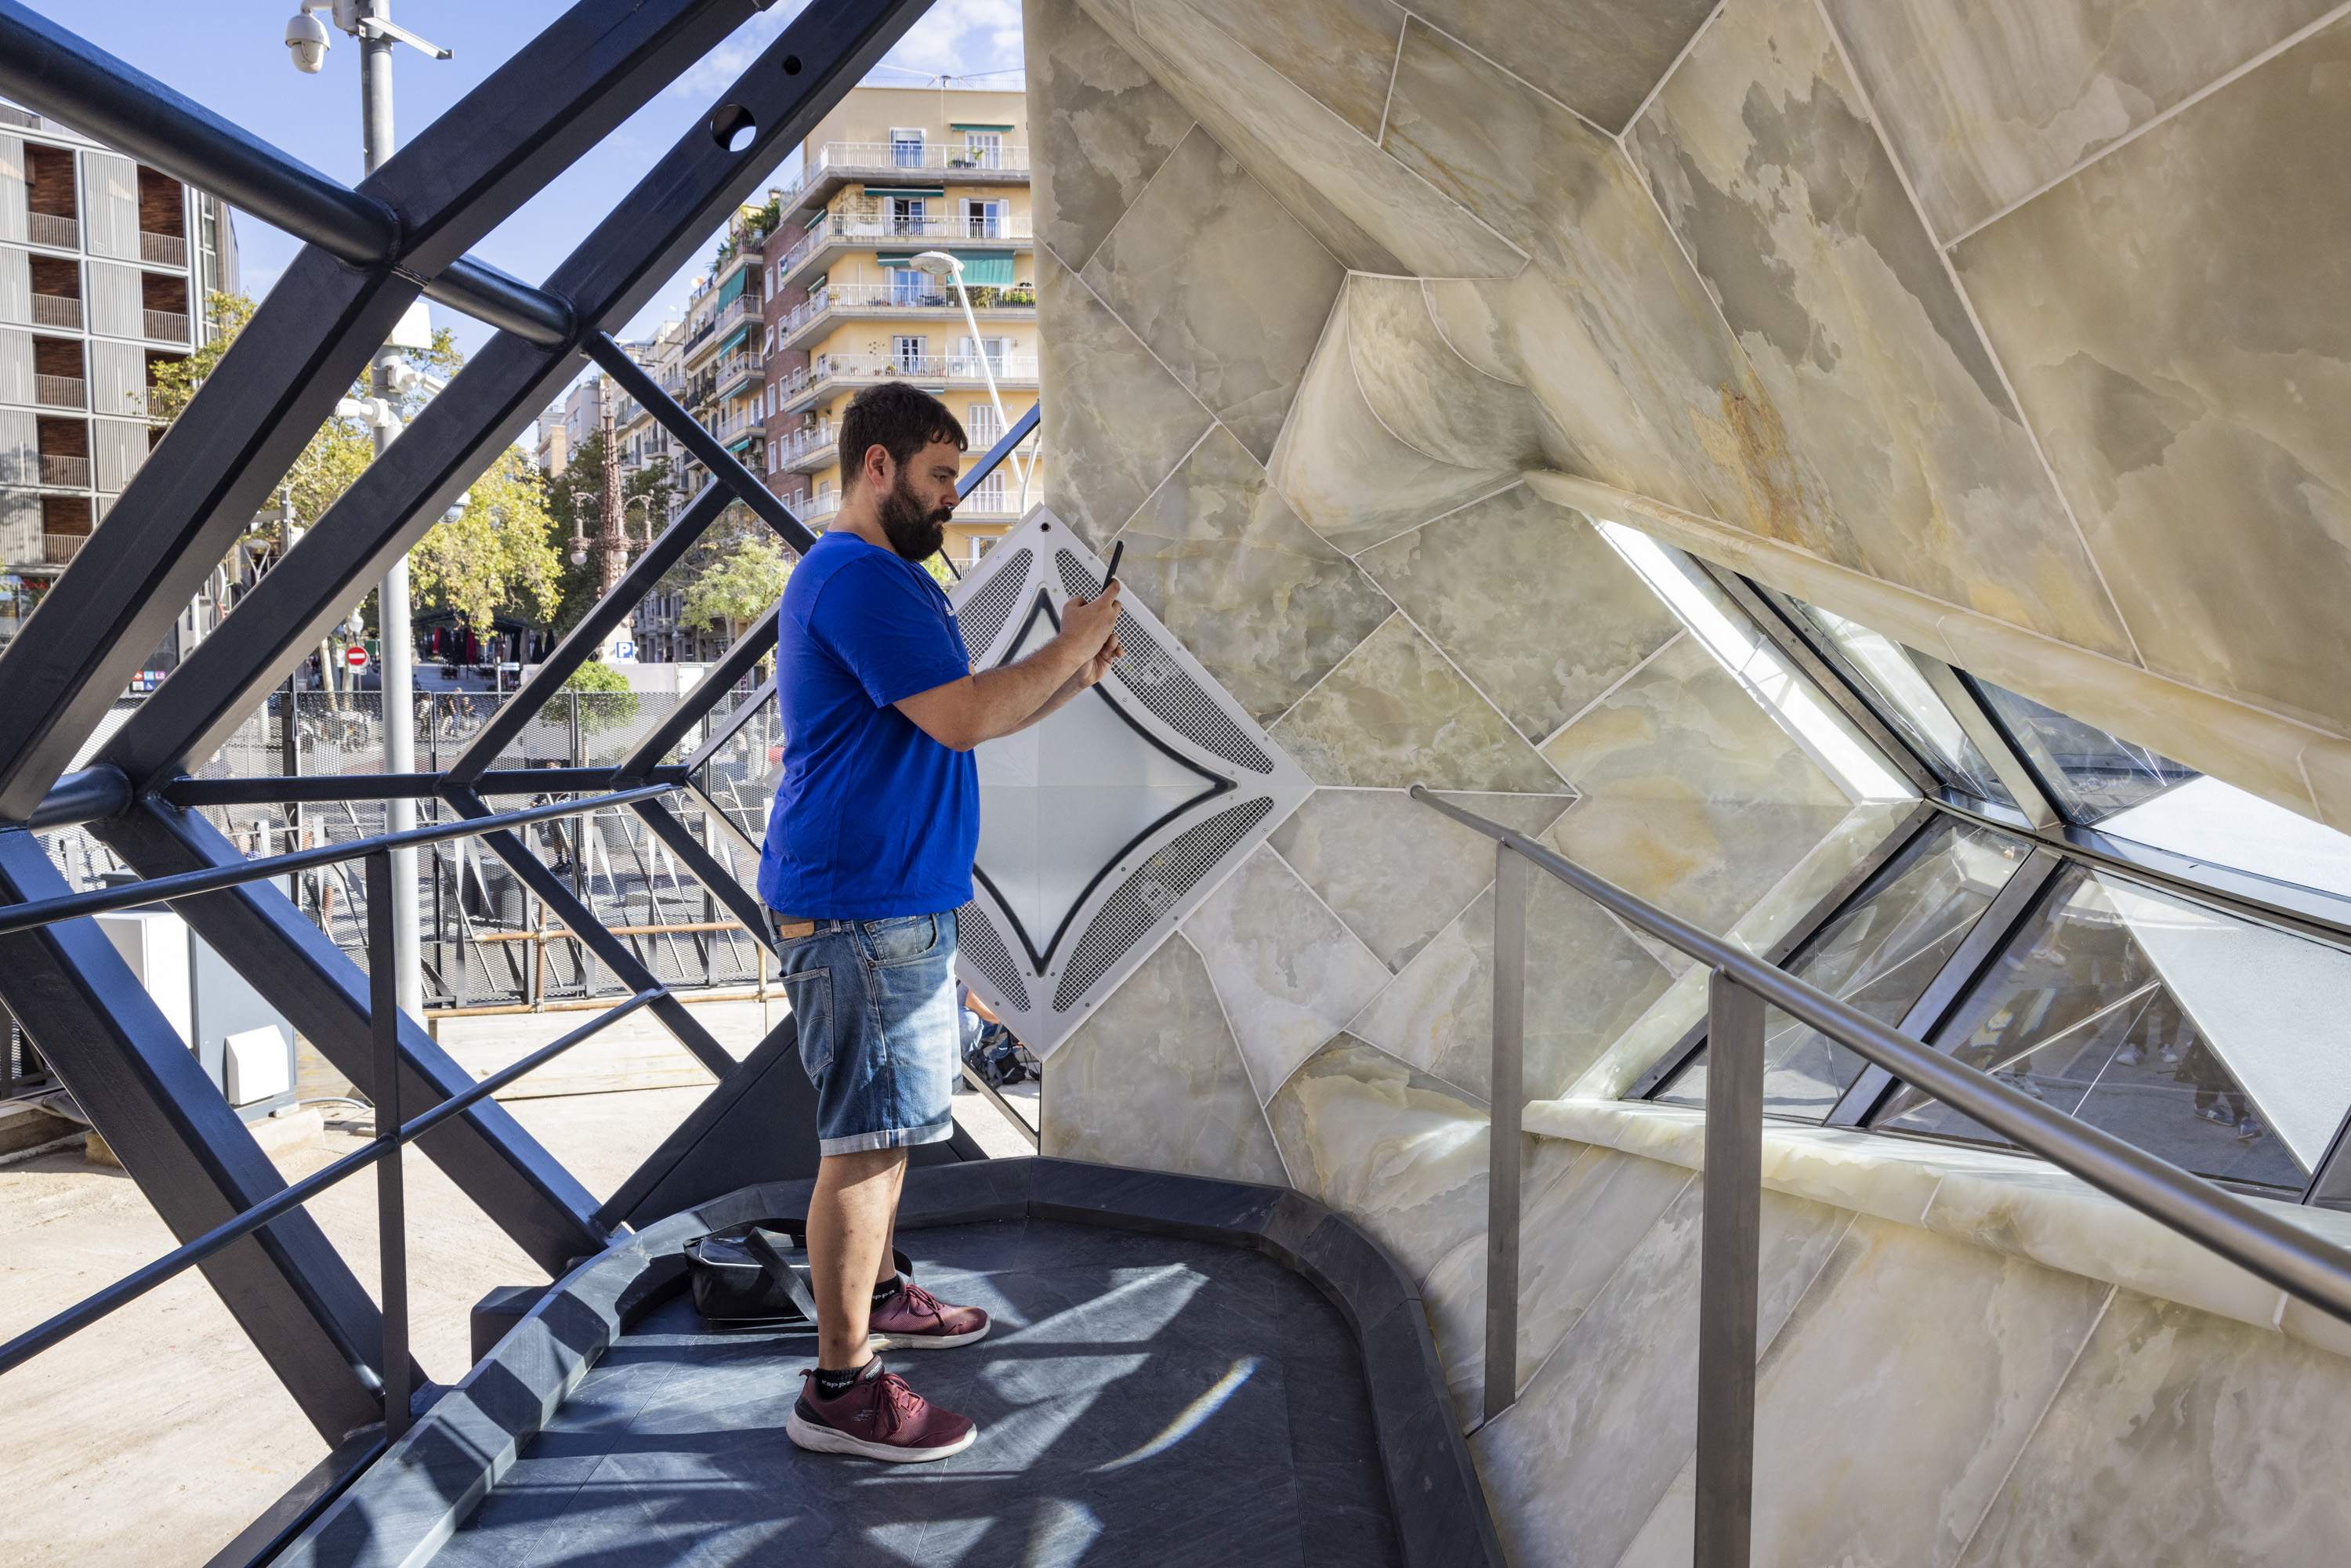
[(914, 1319), (879, 1417)]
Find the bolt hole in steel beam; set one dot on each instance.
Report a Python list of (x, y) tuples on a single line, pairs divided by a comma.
[(732, 127)]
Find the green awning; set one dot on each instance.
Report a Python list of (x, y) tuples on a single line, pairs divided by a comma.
[(959, 125), (736, 337), (991, 269), (730, 288), (903, 191), (740, 442)]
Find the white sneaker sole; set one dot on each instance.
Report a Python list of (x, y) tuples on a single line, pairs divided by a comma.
[(819, 1440), (881, 1342)]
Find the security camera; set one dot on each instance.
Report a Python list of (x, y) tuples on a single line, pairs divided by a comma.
[(306, 35)]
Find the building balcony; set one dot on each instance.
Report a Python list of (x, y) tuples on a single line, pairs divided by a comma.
[(63, 473), (60, 392), (58, 549), (815, 511), (737, 370), (735, 310), (162, 250), (806, 451), (830, 371), (848, 302), (166, 326), (59, 233), (56, 310), (877, 230), (839, 163)]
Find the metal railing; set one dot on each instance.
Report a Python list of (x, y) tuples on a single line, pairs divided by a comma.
[(166, 326), (70, 472), (1738, 988), (865, 156), (392, 1134), (826, 368), (800, 444), (839, 228), (60, 392), (58, 549), (162, 250), (845, 298), (50, 229), (55, 311)]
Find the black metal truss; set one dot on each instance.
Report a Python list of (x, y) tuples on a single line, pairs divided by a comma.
[(725, 468), (368, 251)]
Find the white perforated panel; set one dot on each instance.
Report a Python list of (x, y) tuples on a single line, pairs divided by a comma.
[(1106, 824)]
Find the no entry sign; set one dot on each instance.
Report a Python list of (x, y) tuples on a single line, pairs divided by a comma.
[(355, 656)]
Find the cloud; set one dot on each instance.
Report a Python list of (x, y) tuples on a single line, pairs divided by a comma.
[(955, 38), (717, 70)]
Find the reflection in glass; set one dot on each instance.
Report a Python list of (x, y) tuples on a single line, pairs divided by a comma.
[(2218, 1044), (1875, 664), (1878, 954), (2092, 774)]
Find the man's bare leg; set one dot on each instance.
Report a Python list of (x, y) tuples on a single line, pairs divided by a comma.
[(852, 1217)]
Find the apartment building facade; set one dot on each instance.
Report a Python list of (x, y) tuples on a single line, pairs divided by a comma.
[(892, 175), (105, 265)]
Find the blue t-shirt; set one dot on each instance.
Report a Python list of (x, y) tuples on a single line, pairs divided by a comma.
[(873, 817)]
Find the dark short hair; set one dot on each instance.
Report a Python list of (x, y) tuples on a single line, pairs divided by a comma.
[(900, 419)]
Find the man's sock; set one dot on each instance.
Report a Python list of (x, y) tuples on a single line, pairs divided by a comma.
[(832, 1384), (888, 1289)]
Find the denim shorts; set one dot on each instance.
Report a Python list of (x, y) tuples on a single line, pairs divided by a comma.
[(875, 1000)]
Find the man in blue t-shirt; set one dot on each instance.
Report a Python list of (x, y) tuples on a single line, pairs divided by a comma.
[(868, 857)]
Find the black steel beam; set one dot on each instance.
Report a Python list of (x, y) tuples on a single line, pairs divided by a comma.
[(659, 228), (724, 466), (323, 994), (273, 788), (85, 793), (313, 334), (142, 1088), (1022, 428), (739, 661), (507, 303), (579, 920), (730, 727), (757, 1125)]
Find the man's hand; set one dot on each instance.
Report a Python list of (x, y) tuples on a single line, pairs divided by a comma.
[(1090, 625), (1099, 665)]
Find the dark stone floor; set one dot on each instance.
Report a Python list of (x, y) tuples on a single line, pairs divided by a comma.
[(1141, 1401)]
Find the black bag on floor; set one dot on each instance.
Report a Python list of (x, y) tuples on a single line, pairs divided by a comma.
[(757, 1273)]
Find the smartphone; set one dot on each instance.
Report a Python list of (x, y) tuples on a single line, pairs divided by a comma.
[(1116, 551)]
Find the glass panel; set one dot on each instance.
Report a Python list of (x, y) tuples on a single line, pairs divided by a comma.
[(1875, 664), (2219, 1044), (2209, 820), (2091, 773), (1878, 954)]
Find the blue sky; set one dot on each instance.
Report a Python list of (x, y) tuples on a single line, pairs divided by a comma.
[(228, 56)]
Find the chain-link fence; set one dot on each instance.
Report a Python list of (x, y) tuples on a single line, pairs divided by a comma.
[(487, 941)]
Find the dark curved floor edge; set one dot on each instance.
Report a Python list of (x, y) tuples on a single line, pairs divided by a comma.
[(408, 1503)]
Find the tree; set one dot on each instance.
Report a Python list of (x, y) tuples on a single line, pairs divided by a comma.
[(610, 699), (493, 555), (575, 508), (736, 574)]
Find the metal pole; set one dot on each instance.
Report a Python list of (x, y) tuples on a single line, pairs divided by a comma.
[(390, 1217), (1512, 877), (1729, 1256), (971, 320), (393, 620)]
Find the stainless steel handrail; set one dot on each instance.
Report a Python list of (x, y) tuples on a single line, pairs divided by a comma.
[(1740, 985)]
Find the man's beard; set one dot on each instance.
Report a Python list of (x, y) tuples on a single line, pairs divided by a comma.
[(913, 532)]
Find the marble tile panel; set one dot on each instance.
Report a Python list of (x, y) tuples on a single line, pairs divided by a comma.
[(2173, 318), (1429, 396), (1255, 594), (1340, 51), (1225, 287), (1986, 101), (1575, 1230), (1528, 600), (1153, 1079), (1347, 474), (1099, 127), (1395, 714), (1892, 1403), (1609, 326), (1601, 58), (1118, 421), (2181, 1440), (1576, 1467), (1694, 797), (1394, 871), (1679, 1008), (1587, 981), (1395, 1150), (1760, 153), (1294, 186), (1431, 234), (1289, 975)]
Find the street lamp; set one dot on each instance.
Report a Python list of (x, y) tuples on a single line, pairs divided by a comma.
[(307, 41), (939, 264)]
